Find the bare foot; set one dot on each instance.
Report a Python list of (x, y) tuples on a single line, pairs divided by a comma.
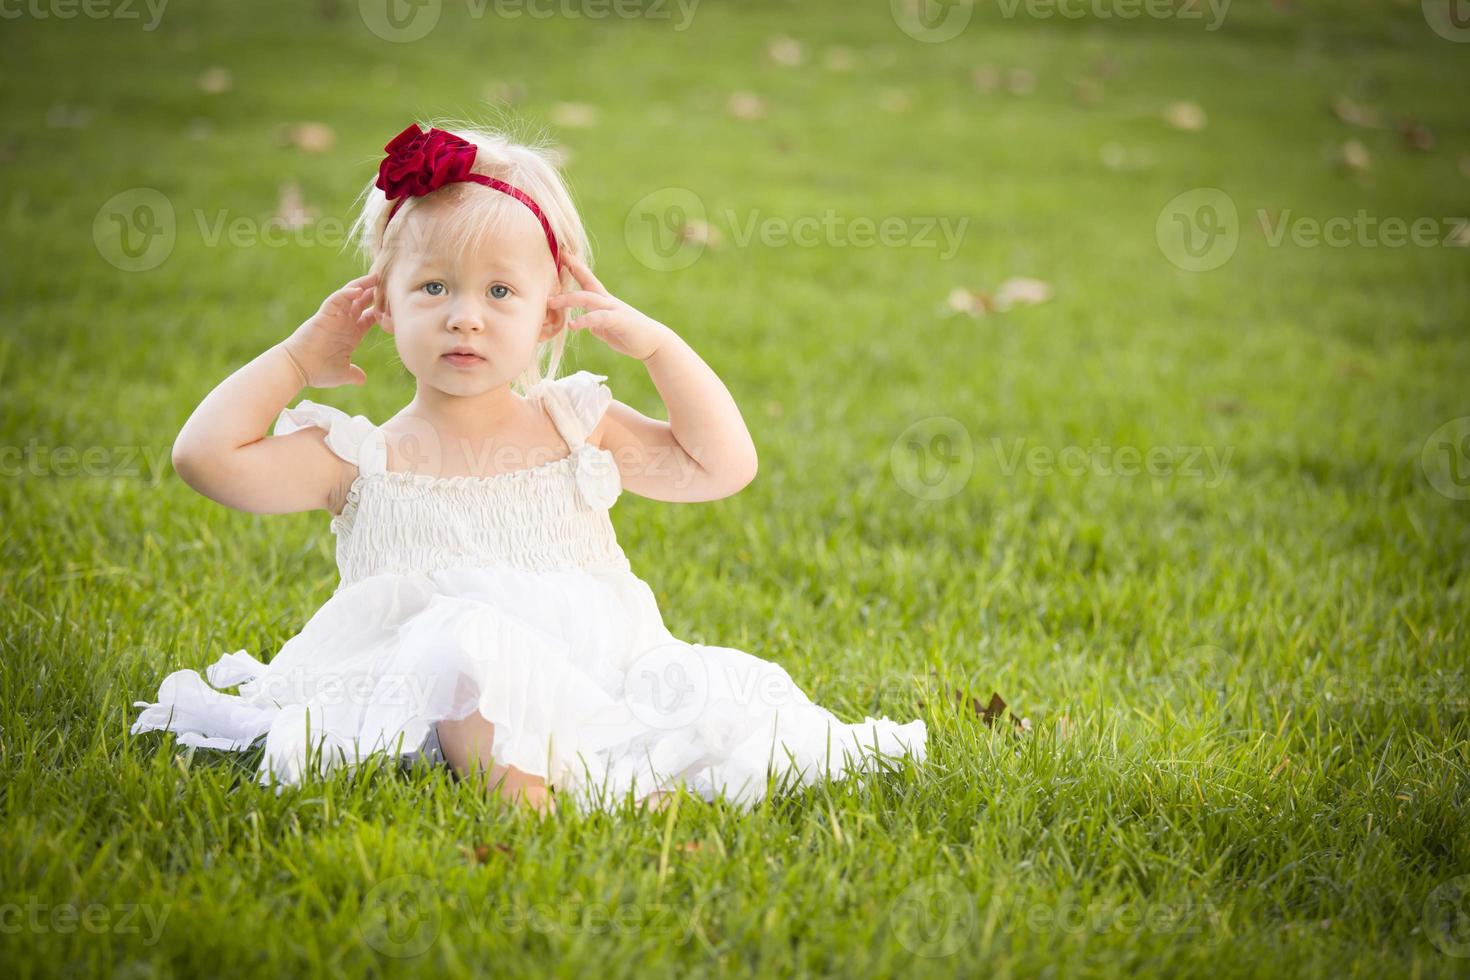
[(539, 798), (657, 800)]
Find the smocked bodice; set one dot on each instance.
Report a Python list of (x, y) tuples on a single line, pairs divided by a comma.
[(542, 518)]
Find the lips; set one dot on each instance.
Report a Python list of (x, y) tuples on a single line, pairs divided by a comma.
[(463, 357)]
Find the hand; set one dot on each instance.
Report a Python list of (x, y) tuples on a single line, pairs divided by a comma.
[(609, 319), (324, 344)]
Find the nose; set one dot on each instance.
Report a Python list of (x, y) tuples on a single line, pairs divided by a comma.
[(465, 318)]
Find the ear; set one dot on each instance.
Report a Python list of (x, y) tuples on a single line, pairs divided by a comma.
[(385, 316), (552, 324)]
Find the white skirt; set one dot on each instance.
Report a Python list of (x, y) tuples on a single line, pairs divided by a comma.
[(584, 685)]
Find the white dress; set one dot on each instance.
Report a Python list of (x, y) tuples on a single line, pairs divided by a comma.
[(509, 595)]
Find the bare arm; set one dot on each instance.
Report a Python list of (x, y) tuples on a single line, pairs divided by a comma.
[(703, 452), (223, 451)]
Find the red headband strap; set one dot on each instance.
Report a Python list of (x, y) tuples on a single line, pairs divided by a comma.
[(420, 162)]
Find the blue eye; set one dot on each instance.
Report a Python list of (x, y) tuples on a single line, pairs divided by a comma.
[(429, 288), (499, 285)]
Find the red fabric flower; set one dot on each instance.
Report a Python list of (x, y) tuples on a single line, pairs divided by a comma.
[(420, 162)]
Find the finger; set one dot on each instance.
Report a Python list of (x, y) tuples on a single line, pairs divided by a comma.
[(581, 297), (364, 299), (341, 298), (598, 318), (357, 375), (583, 274), (366, 280)]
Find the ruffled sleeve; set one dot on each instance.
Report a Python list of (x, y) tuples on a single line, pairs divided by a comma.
[(577, 403), (352, 437)]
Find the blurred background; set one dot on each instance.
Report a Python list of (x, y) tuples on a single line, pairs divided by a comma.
[(1108, 354)]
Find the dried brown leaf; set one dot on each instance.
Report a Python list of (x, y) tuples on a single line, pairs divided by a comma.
[(747, 105), (216, 80)]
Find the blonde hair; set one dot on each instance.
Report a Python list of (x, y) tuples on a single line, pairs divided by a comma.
[(530, 166)]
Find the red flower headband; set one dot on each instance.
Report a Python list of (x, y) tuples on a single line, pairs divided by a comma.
[(420, 162)]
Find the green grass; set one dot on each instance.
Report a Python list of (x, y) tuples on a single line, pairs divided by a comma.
[(1248, 689)]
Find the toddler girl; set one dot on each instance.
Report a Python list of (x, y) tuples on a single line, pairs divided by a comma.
[(485, 615)]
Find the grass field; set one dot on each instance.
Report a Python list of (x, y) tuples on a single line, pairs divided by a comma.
[(1199, 516)]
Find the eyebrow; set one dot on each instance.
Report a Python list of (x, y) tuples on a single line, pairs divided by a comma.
[(502, 268)]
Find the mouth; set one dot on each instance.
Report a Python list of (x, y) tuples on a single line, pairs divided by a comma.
[(463, 358)]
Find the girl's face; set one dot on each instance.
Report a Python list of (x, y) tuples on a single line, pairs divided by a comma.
[(489, 300)]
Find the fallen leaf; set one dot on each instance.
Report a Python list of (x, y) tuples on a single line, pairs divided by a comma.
[(976, 303), (504, 93), (1186, 116), (64, 116), (895, 100), (573, 115), (1417, 136), (786, 51), (747, 105), (839, 58), (291, 209), (1020, 81), (1089, 91), (1021, 291), (481, 852), (1223, 406), (1285, 761), (1356, 114), (216, 81), (310, 137), (1355, 156), (701, 233)]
